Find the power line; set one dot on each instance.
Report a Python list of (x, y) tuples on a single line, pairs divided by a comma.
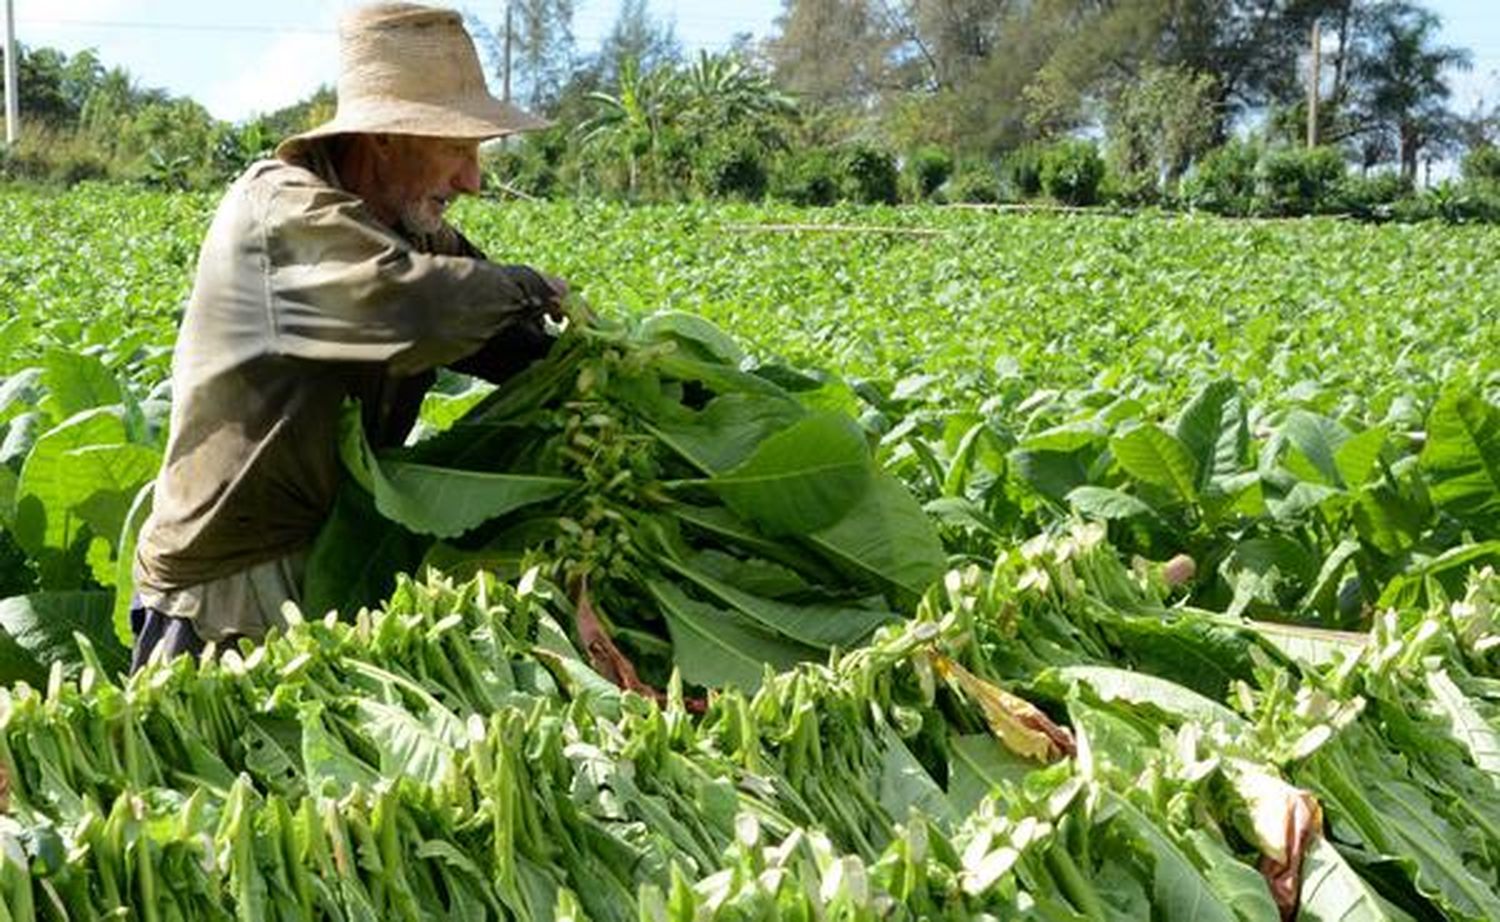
[(176, 26), (1480, 52), (585, 37)]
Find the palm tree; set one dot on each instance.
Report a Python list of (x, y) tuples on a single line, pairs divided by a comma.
[(720, 92), (1404, 79), (629, 123)]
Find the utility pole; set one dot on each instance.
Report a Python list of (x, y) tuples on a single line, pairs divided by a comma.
[(1314, 78), (509, 37), (12, 90), (505, 81)]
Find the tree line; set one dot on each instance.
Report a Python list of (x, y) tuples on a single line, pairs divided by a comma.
[(1202, 102)]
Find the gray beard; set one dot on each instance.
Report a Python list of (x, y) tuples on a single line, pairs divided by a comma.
[(415, 223)]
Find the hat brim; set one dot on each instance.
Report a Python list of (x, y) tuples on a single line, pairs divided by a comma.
[(482, 119)]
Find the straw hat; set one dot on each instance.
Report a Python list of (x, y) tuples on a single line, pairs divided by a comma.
[(409, 69)]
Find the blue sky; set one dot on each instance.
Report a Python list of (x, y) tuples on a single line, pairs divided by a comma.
[(245, 58)]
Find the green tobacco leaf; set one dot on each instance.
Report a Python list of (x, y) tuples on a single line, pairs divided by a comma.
[(1106, 503), (332, 769), (755, 576), (725, 526), (9, 480), (716, 376), (99, 483), (716, 648), (1213, 429), (425, 749), (1190, 650), (1278, 552), (273, 749), (20, 392), (1317, 440), (801, 479), (1462, 458), (42, 626), (886, 540), (1322, 597), (953, 512), (124, 582), (1448, 572), (977, 765), (47, 490), (723, 434), (1064, 439), (440, 411), (1316, 647), (1179, 891), (354, 559), (1053, 474), (440, 501), (1139, 688), (1240, 886), (20, 436), (77, 382), (1468, 726), (1392, 515), (816, 625), (1332, 891), (906, 786), (1360, 780), (446, 502), (1358, 458), (502, 556), (1152, 455), (703, 337), (977, 450)]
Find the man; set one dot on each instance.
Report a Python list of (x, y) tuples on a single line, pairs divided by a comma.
[(329, 272)]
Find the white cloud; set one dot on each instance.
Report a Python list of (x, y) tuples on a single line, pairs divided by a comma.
[(289, 68)]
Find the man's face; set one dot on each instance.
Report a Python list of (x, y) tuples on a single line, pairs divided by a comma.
[(421, 175)]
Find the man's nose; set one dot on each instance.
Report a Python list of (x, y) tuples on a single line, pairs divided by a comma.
[(467, 179)]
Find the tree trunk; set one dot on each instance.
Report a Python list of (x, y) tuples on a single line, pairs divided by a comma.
[(1410, 147), (1341, 64)]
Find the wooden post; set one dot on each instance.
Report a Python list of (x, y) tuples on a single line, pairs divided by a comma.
[(1314, 77), (12, 88)]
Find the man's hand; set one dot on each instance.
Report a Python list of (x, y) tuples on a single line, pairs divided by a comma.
[(560, 291)]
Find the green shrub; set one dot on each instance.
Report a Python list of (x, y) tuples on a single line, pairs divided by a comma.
[(928, 168), (869, 175), (1022, 169), (531, 165), (1071, 172), (1298, 181), (1482, 165), (1373, 196), (807, 177), (1140, 187), (734, 170), (1464, 203), (53, 155), (1224, 180), (975, 184)]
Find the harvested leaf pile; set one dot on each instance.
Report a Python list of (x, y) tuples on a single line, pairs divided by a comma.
[(817, 721), (453, 756)]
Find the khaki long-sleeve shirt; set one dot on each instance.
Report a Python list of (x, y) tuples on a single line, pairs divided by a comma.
[(303, 299)]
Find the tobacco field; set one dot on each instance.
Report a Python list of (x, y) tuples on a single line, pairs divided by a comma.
[(855, 564)]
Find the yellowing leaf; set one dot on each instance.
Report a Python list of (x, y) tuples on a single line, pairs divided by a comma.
[(1017, 723)]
